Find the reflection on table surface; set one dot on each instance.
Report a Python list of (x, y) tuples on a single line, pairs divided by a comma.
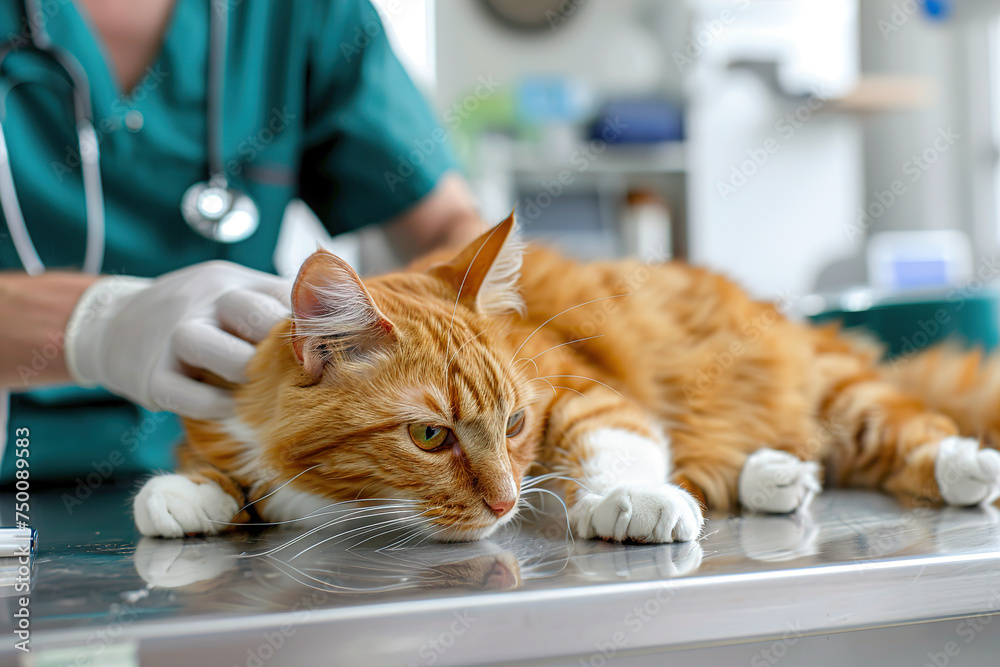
[(92, 566)]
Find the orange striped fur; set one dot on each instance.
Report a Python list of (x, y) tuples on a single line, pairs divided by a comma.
[(653, 349)]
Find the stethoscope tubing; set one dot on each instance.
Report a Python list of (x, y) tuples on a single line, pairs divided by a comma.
[(90, 161)]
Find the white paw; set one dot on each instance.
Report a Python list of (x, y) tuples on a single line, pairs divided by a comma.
[(777, 482), (174, 506), (641, 513), (966, 474)]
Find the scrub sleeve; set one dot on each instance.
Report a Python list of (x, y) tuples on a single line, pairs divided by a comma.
[(317, 106)]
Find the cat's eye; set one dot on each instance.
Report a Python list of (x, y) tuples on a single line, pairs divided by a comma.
[(515, 423), (428, 437)]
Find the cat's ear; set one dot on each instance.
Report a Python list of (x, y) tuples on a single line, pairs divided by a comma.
[(485, 273), (335, 317)]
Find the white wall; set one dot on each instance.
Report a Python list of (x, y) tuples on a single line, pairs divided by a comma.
[(777, 232), (953, 56), (771, 200), (599, 44)]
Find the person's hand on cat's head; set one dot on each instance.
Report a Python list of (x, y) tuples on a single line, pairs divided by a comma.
[(178, 342)]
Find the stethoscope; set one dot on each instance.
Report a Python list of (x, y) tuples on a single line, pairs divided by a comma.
[(213, 208)]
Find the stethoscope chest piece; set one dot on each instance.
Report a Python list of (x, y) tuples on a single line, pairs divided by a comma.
[(220, 213)]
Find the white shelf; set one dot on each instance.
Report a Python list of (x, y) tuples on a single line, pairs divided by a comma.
[(666, 157)]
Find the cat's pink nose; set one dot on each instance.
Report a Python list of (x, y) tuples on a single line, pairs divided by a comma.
[(503, 506)]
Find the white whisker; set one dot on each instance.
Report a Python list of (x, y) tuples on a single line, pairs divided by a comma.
[(559, 386), (532, 363), (579, 305), (355, 515), (427, 537), (385, 532), (330, 587), (319, 512), (537, 479), (546, 382), (415, 532), (278, 489), (581, 377), (569, 342), (569, 532), (362, 529)]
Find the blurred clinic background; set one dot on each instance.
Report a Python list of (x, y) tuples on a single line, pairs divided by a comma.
[(835, 155)]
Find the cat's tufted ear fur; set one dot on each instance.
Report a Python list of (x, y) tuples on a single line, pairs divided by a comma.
[(485, 274), (335, 317)]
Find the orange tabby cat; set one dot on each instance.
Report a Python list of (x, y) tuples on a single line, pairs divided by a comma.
[(653, 390)]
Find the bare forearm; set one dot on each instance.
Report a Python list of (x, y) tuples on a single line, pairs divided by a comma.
[(446, 217), (34, 311)]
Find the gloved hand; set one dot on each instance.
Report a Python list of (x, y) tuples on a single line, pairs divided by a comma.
[(134, 336)]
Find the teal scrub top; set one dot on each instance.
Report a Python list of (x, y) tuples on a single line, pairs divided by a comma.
[(316, 106)]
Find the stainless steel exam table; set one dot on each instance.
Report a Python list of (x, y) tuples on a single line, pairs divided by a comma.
[(857, 580)]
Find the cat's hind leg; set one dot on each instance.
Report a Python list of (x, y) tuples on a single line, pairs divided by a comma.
[(966, 473), (716, 461), (777, 482), (884, 438), (620, 463)]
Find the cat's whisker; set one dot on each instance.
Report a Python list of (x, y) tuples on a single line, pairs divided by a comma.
[(278, 489), (318, 512), (386, 532), (569, 532), (583, 377), (525, 505), (416, 532), (355, 515), (422, 522), (383, 571), (546, 382), (431, 536), (363, 530), (345, 534), (579, 305), (329, 586), (540, 479), (395, 577), (569, 342), (528, 359), (294, 540), (587, 398), (379, 557), (407, 516), (403, 540), (427, 537), (566, 479), (536, 479)]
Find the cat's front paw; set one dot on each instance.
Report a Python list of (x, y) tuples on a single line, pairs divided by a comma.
[(967, 475), (639, 513), (777, 482), (175, 505)]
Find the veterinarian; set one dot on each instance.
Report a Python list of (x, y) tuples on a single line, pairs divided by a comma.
[(143, 140)]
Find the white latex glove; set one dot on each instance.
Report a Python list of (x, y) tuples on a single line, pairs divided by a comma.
[(133, 336)]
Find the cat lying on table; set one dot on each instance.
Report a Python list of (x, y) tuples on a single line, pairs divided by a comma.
[(647, 392)]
